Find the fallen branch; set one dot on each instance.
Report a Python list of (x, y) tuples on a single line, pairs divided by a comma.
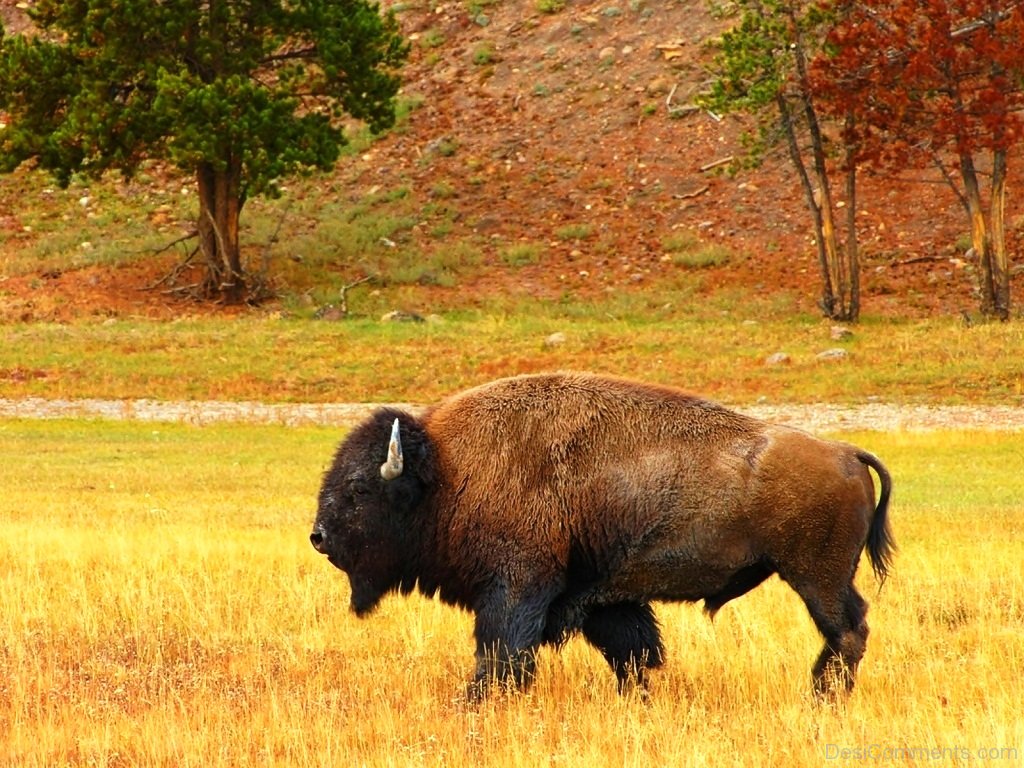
[(675, 111), (192, 290), (716, 163), (695, 193), (343, 293), (919, 260), (184, 238), (180, 267), (668, 99)]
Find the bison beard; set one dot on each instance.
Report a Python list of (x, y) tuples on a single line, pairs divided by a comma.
[(558, 504)]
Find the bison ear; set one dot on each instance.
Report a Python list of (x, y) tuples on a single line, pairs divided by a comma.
[(392, 468)]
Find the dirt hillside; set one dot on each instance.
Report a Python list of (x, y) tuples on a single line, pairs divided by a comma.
[(571, 128)]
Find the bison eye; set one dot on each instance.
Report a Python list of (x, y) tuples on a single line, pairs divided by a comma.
[(358, 493)]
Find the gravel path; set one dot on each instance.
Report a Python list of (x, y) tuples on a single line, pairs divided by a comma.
[(815, 418)]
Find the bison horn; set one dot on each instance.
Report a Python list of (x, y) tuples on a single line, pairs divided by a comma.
[(392, 468)]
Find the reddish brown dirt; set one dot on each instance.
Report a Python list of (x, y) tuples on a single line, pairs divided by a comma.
[(534, 122)]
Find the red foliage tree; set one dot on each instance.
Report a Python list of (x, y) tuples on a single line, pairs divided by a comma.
[(935, 82)]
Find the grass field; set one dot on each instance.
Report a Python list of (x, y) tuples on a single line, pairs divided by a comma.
[(160, 605), (717, 353)]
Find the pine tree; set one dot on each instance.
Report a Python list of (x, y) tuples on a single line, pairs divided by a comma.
[(238, 94)]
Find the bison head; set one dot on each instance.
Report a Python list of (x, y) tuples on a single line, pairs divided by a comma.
[(369, 522)]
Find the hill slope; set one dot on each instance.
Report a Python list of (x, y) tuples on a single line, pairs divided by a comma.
[(558, 144)]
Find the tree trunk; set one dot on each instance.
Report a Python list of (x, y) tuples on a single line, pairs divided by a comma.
[(1000, 267), (980, 241), (837, 299), (852, 253), (837, 276), (219, 208), (828, 298)]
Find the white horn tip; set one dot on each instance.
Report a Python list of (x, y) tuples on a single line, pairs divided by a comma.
[(392, 468)]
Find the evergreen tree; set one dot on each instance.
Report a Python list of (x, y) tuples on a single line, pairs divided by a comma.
[(236, 93)]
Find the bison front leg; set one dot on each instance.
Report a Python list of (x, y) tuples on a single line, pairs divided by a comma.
[(498, 665), (508, 632), (628, 637)]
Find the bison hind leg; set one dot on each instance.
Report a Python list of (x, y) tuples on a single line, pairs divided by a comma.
[(628, 637), (845, 629)]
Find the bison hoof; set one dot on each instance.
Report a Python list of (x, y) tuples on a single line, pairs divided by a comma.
[(477, 691), (634, 687)]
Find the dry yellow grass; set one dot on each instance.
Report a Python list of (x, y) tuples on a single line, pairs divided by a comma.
[(160, 605)]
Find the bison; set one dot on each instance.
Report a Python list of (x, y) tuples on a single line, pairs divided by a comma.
[(556, 504)]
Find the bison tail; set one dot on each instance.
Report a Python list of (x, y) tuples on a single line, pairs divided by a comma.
[(881, 545)]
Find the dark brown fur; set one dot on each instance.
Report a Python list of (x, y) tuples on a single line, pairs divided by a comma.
[(565, 503)]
